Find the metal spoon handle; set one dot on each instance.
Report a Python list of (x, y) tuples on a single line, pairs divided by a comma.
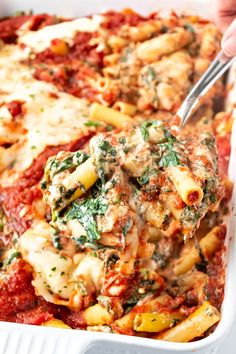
[(217, 68)]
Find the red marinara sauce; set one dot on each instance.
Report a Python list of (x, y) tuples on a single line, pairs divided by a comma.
[(114, 20), (9, 26), (26, 189), (74, 65), (18, 302)]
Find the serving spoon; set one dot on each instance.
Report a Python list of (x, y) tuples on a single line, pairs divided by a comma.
[(217, 68)]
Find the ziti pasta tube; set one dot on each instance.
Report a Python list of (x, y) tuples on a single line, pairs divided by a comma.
[(109, 115), (190, 192), (155, 322), (208, 245), (193, 326)]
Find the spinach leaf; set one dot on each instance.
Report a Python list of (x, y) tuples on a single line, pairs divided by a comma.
[(190, 216), (189, 27), (150, 75), (107, 148), (144, 131), (91, 123), (56, 242), (12, 256), (144, 128), (85, 213), (127, 226), (72, 161), (170, 158), (145, 177)]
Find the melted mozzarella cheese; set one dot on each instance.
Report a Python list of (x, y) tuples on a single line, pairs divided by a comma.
[(50, 117), (51, 269), (90, 269), (41, 39), (56, 277)]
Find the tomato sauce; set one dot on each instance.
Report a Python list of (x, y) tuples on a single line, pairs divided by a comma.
[(9, 26), (82, 61), (18, 302), (114, 20), (26, 188), (216, 273), (15, 108), (224, 149), (193, 197)]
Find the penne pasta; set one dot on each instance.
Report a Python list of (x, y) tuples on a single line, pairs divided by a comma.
[(96, 315), (102, 84), (111, 60), (56, 324), (193, 326), (189, 191), (116, 43), (208, 245), (127, 321), (81, 179), (171, 206), (125, 108), (167, 43), (155, 322), (109, 115), (144, 31)]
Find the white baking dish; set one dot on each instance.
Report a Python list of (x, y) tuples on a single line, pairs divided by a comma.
[(25, 339)]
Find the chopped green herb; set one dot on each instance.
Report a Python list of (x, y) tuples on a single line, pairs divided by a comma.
[(209, 142), (145, 177), (127, 226), (53, 269), (171, 158), (56, 239), (144, 131), (150, 75), (189, 27), (105, 301), (63, 257), (125, 55), (11, 258), (190, 215), (144, 128), (107, 148), (91, 123), (122, 140), (85, 213), (72, 161), (43, 185), (109, 128), (212, 198)]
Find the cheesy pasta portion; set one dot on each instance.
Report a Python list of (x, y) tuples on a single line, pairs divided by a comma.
[(112, 217)]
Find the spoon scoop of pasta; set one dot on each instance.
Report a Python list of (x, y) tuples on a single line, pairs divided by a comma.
[(217, 68)]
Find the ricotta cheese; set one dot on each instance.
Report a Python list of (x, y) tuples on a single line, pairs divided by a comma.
[(39, 40), (50, 117)]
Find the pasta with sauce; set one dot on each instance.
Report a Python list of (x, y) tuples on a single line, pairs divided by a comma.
[(111, 218)]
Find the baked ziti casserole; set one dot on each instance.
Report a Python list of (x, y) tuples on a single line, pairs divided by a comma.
[(112, 217)]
